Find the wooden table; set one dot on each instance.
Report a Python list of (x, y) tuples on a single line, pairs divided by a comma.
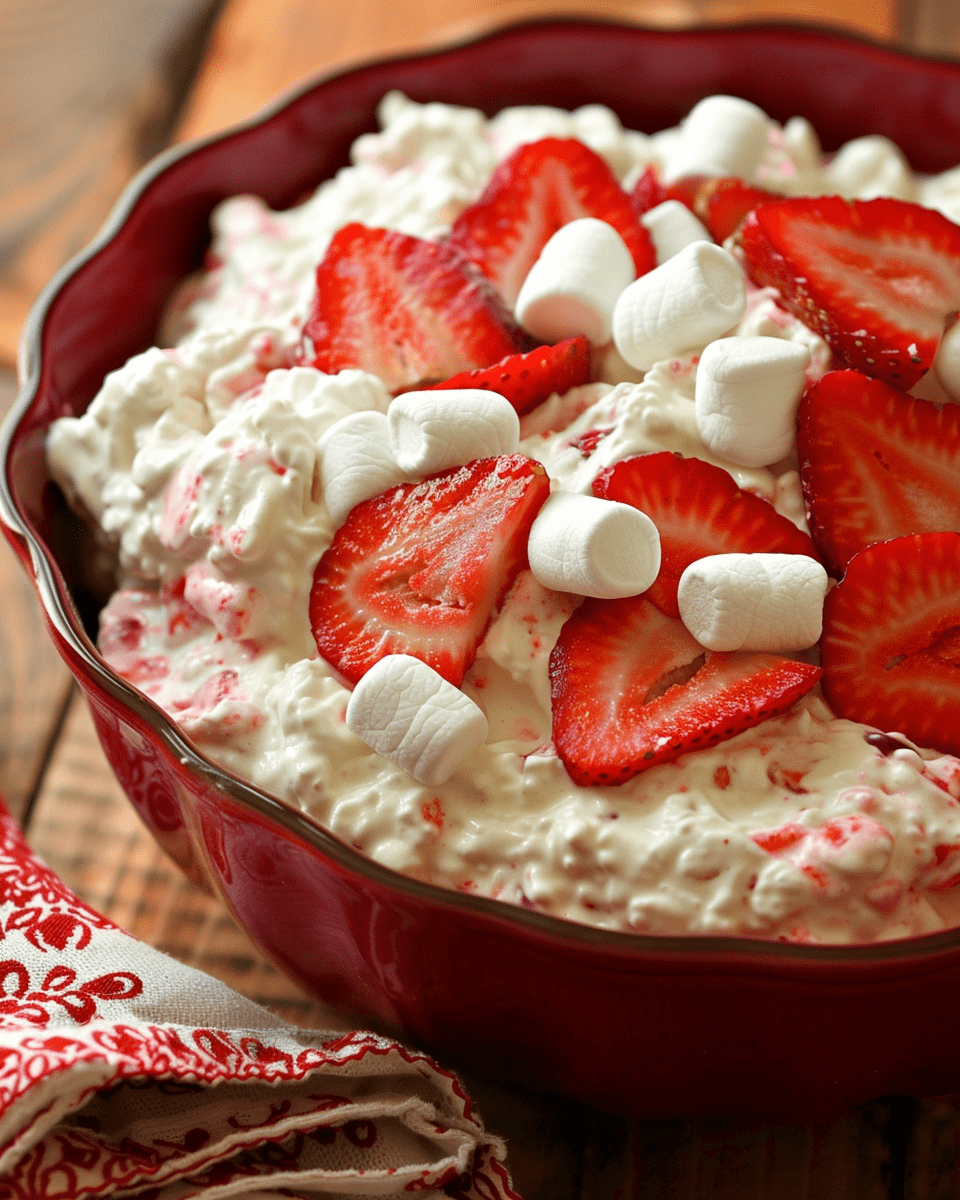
[(56, 781)]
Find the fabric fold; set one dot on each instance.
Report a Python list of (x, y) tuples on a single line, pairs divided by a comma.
[(105, 1090)]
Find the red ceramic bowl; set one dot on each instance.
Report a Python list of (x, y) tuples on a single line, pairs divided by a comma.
[(647, 1025)]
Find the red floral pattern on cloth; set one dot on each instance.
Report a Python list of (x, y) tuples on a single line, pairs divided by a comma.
[(109, 1087)]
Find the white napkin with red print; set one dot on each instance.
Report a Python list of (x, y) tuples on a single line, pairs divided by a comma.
[(125, 1073)]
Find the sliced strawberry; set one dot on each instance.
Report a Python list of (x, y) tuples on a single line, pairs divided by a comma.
[(647, 192), (891, 639), (723, 204), (405, 309), (878, 279), (875, 464), (699, 510), (420, 568), (686, 189), (528, 379), (631, 689), (540, 187)]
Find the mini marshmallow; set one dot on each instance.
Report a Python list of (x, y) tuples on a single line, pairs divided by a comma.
[(431, 431), (946, 362), (680, 306), (672, 227), (722, 135), (572, 287), (803, 146), (767, 602), (593, 547), (408, 712), (356, 462), (871, 166), (747, 393)]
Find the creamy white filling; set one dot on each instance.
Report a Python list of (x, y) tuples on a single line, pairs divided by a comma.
[(199, 463)]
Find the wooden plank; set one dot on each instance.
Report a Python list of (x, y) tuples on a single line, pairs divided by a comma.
[(89, 91), (261, 47), (843, 1160)]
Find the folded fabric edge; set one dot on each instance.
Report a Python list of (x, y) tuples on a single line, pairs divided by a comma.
[(33, 1114)]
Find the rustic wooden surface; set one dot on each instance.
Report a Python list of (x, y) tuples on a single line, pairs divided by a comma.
[(55, 779)]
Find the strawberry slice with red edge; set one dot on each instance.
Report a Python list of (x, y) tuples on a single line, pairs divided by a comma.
[(647, 192), (699, 510), (724, 204), (632, 689), (877, 279), (420, 568), (539, 188), (875, 464), (890, 648), (526, 380), (408, 310)]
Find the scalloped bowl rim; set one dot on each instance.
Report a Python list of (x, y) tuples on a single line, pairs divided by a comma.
[(55, 598)]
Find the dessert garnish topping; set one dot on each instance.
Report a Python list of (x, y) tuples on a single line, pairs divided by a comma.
[(877, 279), (699, 510), (526, 380), (632, 689), (411, 311), (875, 464), (420, 568), (532, 193), (890, 648)]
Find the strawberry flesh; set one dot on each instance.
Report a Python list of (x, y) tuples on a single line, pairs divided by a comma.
[(647, 192), (632, 689), (526, 380), (699, 510), (420, 568), (539, 188), (890, 648), (875, 464), (724, 204), (877, 279), (408, 310)]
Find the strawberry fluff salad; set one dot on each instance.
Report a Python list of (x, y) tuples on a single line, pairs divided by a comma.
[(568, 515)]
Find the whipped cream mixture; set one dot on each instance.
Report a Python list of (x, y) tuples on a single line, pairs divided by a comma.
[(198, 462)]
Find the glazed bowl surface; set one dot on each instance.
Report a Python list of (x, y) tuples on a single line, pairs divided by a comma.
[(652, 1026)]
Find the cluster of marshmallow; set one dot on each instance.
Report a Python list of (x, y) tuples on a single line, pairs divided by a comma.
[(421, 433), (747, 393)]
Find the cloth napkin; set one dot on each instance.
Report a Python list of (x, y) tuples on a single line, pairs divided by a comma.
[(125, 1073)]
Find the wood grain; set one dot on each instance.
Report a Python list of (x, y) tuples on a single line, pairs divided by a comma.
[(261, 47), (88, 91)]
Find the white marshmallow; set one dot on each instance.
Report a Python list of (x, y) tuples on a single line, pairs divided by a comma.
[(803, 146), (410, 714), (593, 547), (768, 602), (356, 462), (747, 393), (672, 227), (680, 306), (722, 135), (871, 166), (433, 430), (572, 287), (946, 362)]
